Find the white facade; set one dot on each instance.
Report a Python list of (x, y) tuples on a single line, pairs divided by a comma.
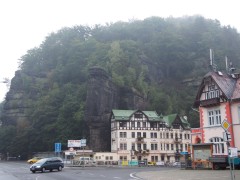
[(141, 138)]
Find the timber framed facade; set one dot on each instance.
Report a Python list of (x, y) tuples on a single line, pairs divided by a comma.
[(144, 135)]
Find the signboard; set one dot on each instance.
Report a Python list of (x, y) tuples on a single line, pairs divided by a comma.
[(58, 147), (83, 142), (233, 152), (225, 125), (227, 136), (74, 143)]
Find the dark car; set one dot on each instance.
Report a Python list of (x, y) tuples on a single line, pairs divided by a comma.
[(47, 164)]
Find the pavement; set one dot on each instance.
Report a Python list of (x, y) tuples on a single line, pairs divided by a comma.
[(180, 174)]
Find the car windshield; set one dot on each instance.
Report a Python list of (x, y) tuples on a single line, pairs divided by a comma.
[(41, 161)]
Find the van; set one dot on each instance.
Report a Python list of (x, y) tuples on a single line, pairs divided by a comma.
[(87, 161), (47, 164)]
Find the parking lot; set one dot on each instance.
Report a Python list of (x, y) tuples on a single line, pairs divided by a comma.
[(180, 174)]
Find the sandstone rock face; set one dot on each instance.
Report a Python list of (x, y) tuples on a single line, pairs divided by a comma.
[(102, 97)]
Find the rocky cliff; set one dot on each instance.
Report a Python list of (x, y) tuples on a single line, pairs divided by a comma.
[(102, 97)]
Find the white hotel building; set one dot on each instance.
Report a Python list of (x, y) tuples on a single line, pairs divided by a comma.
[(144, 135)]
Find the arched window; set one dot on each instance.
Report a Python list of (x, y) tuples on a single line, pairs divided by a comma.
[(218, 145)]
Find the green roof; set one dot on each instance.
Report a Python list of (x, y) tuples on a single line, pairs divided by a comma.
[(169, 119), (152, 115), (126, 114), (122, 114)]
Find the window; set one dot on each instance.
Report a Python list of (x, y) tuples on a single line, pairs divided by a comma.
[(139, 147), (138, 115), (144, 146), (144, 124), (167, 146), (123, 124), (138, 124), (171, 135), (214, 117), (172, 147), (123, 134), (144, 135), (132, 124), (153, 135), (123, 146), (167, 135), (153, 125), (138, 134), (133, 134), (218, 145), (133, 146), (212, 92), (123, 158), (154, 147), (111, 158), (160, 135)]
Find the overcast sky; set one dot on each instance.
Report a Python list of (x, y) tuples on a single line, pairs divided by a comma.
[(26, 23)]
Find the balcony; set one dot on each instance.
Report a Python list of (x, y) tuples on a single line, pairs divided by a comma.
[(210, 102), (140, 140), (177, 140), (141, 152)]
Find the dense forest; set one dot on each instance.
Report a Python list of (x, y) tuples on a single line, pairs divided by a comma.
[(155, 57)]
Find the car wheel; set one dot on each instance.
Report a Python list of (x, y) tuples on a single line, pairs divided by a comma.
[(43, 169), (31, 162), (33, 171), (59, 168), (51, 170)]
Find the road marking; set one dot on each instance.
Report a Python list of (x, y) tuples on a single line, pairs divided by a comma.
[(132, 175), (117, 177)]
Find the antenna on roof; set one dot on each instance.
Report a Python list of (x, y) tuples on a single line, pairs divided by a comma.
[(212, 64), (229, 67)]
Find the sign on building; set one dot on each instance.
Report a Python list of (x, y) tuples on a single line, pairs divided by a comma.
[(74, 143)]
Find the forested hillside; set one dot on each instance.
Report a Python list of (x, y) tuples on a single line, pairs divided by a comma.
[(153, 57)]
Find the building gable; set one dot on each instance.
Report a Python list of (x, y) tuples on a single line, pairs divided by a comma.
[(215, 87)]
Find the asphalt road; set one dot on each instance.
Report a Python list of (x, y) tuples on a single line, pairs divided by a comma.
[(180, 174), (20, 171)]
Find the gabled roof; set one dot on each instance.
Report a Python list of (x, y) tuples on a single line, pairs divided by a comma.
[(122, 114), (152, 115), (226, 83), (170, 119), (126, 114)]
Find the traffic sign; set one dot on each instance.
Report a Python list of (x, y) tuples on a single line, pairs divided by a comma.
[(58, 147), (225, 125), (83, 142)]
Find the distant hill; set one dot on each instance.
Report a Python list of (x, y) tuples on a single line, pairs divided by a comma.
[(160, 60)]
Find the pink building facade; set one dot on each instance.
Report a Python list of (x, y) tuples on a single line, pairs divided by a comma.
[(218, 100)]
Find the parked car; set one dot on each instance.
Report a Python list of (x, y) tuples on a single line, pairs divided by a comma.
[(160, 163), (47, 164), (33, 160), (150, 163), (176, 164)]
